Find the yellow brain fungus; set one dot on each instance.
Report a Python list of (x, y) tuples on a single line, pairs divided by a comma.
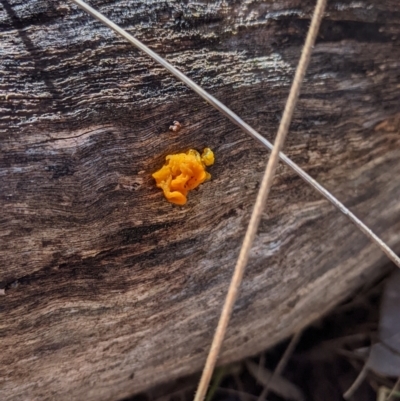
[(183, 172)]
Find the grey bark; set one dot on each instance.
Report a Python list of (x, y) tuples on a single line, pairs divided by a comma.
[(109, 289)]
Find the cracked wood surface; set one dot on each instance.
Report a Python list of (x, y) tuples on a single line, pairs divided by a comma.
[(109, 289)]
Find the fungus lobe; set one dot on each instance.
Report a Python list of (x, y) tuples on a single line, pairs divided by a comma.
[(183, 172)]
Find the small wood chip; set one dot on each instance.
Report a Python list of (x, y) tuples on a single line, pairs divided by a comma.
[(175, 127)]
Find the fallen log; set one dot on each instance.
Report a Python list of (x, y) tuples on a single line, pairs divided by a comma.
[(108, 288)]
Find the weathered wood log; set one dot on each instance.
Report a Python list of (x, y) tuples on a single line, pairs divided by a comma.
[(110, 289)]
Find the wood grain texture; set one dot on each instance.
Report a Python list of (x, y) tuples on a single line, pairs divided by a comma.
[(109, 288)]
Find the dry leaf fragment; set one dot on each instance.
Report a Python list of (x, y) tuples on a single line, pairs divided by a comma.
[(384, 357)]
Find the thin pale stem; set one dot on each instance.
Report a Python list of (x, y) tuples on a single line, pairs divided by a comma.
[(262, 195), (282, 364), (356, 384), (244, 126), (394, 389)]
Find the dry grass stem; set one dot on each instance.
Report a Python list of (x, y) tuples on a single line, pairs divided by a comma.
[(262, 195), (281, 364), (356, 384), (394, 389)]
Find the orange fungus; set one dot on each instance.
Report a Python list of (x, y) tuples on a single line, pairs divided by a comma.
[(183, 172)]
